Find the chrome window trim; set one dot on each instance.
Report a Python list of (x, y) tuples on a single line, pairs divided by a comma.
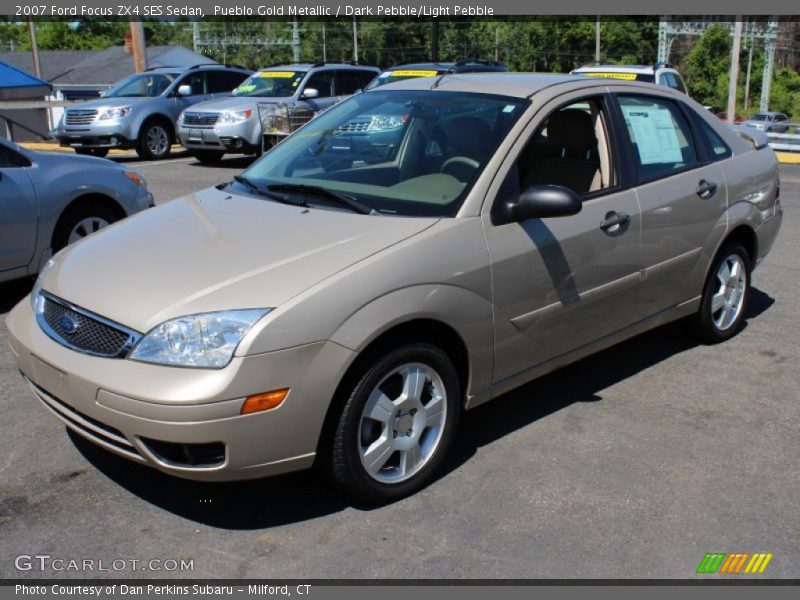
[(133, 336)]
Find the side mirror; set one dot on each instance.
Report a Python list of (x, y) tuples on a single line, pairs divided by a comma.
[(184, 90), (540, 201), (310, 93)]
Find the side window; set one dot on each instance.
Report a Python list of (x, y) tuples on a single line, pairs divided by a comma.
[(660, 135), (224, 81), (196, 81), (716, 147), (10, 159), (322, 82), (347, 82), (366, 77), (570, 149)]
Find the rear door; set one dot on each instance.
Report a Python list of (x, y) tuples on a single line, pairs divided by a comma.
[(18, 211), (560, 283), (348, 82), (682, 196)]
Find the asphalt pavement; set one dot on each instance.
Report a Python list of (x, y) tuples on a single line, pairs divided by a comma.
[(633, 463)]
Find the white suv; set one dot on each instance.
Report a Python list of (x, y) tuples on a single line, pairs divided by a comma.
[(660, 73)]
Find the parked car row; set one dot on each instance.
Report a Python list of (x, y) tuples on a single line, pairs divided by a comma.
[(412, 252)]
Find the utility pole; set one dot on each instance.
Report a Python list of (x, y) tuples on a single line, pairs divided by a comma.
[(355, 40), (37, 67), (747, 79), (324, 45), (295, 41), (195, 34), (497, 43), (138, 46), (597, 41), (734, 73)]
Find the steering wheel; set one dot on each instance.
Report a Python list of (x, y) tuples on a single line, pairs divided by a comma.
[(459, 160)]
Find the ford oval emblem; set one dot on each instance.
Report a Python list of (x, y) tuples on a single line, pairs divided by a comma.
[(67, 324)]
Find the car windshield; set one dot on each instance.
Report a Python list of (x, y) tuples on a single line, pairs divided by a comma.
[(399, 152), (400, 75), (144, 85), (270, 84), (759, 117)]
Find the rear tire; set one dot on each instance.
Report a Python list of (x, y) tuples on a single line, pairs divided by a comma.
[(725, 295), (397, 424), (208, 156), (155, 140), (79, 221)]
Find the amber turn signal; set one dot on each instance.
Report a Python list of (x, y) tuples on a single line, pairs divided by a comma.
[(264, 401)]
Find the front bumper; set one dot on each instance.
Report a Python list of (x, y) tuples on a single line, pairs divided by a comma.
[(239, 138), (113, 134), (124, 405)]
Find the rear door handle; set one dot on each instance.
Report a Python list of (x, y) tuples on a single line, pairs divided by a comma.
[(615, 221), (706, 189)]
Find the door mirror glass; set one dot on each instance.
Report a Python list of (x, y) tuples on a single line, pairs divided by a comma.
[(542, 201), (311, 93), (184, 90)]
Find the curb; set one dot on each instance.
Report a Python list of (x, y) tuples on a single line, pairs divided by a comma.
[(788, 158)]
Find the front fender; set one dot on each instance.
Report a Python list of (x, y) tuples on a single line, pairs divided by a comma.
[(464, 311)]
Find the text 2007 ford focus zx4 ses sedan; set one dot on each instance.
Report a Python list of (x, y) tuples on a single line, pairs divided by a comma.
[(413, 252)]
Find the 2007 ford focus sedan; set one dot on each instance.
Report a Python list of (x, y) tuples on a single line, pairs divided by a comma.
[(413, 252)]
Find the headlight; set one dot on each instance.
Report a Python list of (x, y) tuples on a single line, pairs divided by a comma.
[(387, 122), (37, 287), (115, 113), (205, 340), (235, 117)]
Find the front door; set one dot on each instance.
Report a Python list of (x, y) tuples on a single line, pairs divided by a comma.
[(18, 211), (560, 283)]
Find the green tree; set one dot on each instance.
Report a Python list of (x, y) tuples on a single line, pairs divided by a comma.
[(708, 65)]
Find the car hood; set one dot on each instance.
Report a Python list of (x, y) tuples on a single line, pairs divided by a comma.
[(76, 161), (215, 250), (231, 103)]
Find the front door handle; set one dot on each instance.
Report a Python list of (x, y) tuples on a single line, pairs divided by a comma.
[(706, 189), (614, 221)]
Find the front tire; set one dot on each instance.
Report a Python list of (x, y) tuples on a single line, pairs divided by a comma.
[(725, 295), (397, 424), (155, 141), (79, 221)]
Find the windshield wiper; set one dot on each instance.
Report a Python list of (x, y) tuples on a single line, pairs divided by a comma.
[(328, 194), (265, 193)]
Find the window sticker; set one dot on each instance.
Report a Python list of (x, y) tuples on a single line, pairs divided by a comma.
[(276, 74), (611, 75), (655, 134), (414, 73)]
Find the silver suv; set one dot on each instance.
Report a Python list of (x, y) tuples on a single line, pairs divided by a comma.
[(268, 106), (140, 111), (661, 73)]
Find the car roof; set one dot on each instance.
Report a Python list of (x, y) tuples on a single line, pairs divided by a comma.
[(520, 85), (643, 69)]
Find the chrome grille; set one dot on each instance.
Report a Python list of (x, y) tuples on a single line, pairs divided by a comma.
[(354, 127), (81, 330), (80, 116), (200, 119)]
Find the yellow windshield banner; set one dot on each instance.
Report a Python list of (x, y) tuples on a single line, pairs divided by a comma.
[(276, 74), (625, 76), (414, 73)]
